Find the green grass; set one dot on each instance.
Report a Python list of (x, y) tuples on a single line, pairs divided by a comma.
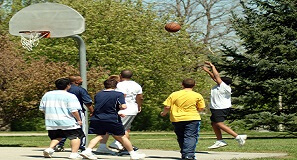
[(270, 142)]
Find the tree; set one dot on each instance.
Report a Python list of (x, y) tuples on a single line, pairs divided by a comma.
[(24, 81), (265, 72)]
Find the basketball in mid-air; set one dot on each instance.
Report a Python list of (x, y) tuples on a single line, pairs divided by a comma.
[(172, 27)]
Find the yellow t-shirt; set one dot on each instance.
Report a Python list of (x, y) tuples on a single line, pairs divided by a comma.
[(184, 104)]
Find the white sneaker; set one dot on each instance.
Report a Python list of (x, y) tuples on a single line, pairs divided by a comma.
[(241, 139), (137, 156), (75, 156), (88, 155), (116, 145), (48, 153), (104, 150), (218, 144)]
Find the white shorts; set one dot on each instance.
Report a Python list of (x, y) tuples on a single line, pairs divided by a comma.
[(127, 120)]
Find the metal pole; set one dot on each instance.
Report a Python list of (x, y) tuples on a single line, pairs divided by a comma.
[(83, 74)]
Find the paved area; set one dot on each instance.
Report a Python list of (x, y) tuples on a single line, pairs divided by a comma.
[(26, 153)]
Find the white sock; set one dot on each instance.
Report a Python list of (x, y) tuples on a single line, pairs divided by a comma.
[(50, 149), (88, 150), (132, 153)]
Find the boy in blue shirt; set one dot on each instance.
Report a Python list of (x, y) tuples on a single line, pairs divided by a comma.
[(105, 119)]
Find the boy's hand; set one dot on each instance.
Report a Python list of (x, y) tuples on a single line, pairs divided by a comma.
[(204, 68), (122, 115), (163, 114), (208, 63)]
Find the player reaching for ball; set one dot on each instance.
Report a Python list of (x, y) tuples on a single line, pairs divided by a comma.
[(220, 104)]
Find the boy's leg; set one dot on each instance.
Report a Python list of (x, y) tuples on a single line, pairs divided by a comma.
[(225, 128), (123, 139), (88, 152), (217, 130), (60, 146), (102, 148), (75, 145), (190, 139), (94, 141), (83, 139), (179, 131), (54, 142), (104, 139)]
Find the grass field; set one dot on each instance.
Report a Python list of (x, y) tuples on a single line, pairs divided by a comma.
[(257, 142)]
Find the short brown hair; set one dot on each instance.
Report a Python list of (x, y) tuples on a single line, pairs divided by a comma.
[(188, 83), (110, 83)]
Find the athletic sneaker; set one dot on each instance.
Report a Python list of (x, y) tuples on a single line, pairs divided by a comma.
[(241, 139), (75, 156), (189, 158), (104, 150), (88, 155), (48, 153), (218, 144), (137, 156), (135, 148), (59, 148), (123, 152), (116, 145)]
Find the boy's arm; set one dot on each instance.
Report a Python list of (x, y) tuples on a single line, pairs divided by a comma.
[(77, 117), (165, 111), (216, 76), (210, 73), (90, 108), (123, 106), (139, 100)]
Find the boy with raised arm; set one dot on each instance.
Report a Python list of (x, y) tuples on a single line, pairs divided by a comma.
[(220, 104)]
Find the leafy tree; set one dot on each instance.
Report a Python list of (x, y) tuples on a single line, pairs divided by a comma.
[(265, 72), (23, 82)]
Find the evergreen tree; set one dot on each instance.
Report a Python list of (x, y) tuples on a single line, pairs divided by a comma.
[(265, 72)]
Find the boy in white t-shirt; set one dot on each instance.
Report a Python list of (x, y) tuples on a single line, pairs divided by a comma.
[(220, 104)]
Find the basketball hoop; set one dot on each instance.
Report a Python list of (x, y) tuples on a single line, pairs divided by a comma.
[(30, 39)]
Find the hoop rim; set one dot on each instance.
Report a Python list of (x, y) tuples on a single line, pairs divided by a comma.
[(43, 34)]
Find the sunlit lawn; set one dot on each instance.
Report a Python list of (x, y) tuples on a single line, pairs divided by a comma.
[(257, 142)]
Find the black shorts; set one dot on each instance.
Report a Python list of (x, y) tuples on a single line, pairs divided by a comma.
[(101, 128), (219, 115), (70, 134)]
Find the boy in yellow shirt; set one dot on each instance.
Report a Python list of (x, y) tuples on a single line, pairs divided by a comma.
[(184, 107)]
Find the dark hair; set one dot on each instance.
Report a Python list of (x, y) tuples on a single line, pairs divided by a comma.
[(188, 83), (226, 80), (62, 83), (126, 73), (110, 83)]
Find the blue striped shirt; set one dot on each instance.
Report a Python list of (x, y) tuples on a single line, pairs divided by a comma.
[(58, 106)]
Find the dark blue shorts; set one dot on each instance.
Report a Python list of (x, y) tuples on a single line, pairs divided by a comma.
[(219, 115), (101, 128)]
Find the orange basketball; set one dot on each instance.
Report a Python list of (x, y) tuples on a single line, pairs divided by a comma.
[(172, 27)]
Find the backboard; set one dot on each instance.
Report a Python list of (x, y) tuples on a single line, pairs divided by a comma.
[(60, 20)]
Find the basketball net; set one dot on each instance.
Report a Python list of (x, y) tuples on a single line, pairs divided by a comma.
[(30, 39)]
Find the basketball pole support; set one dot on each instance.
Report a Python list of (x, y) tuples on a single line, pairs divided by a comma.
[(83, 74)]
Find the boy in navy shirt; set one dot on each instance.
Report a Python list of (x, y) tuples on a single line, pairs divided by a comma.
[(105, 119)]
